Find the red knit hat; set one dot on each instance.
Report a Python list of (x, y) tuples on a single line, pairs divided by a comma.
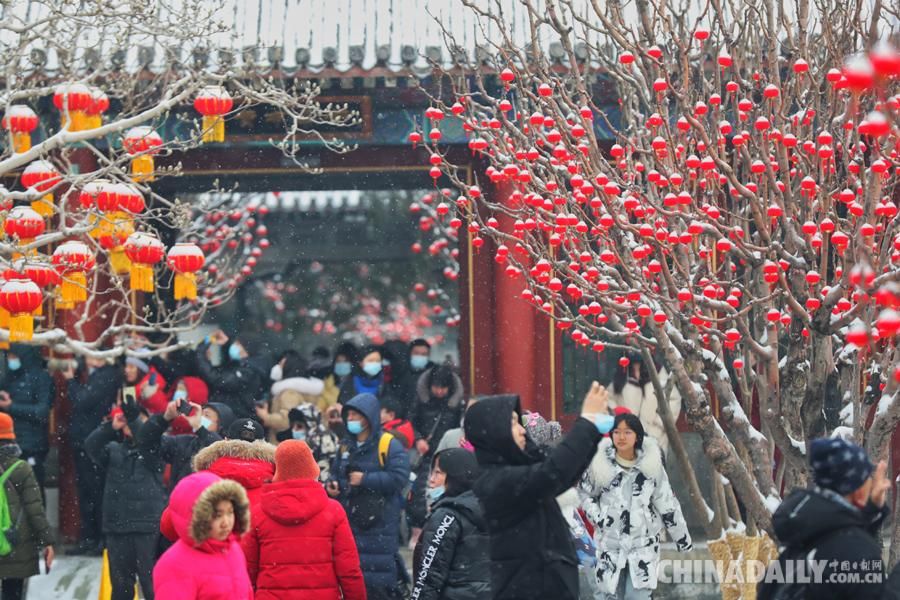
[(294, 460), (6, 427)]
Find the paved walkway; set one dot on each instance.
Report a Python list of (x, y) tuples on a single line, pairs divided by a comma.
[(71, 578)]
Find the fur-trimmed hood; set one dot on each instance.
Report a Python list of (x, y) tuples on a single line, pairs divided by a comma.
[(249, 463), (423, 391), (193, 503), (308, 386), (603, 466)]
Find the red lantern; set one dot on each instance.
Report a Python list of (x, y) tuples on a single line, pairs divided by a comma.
[(73, 101), (24, 224), (144, 250), (20, 120), (142, 144), (36, 269), (20, 298), (98, 105), (72, 260), (41, 176), (212, 102), (185, 259)]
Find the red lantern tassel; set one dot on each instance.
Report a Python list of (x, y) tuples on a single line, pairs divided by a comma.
[(185, 286), (142, 168), (21, 327)]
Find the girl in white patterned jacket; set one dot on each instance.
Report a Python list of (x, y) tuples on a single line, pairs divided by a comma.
[(630, 502)]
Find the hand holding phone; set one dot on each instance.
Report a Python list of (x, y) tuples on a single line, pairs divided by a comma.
[(184, 407)]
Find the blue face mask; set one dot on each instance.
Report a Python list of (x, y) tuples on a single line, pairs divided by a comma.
[(342, 369), (355, 427), (372, 369), (179, 395), (205, 422), (13, 364), (234, 352), (418, 362), (298, 434), (435, 494)]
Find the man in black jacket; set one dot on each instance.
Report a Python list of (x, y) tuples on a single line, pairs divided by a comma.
[(223, 364), (833, 529), (133, 501), (177, 450), (532, 553), (90, 401)]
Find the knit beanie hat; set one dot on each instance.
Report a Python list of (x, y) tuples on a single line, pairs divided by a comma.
[(544, 433), (6, 427), (839, 466), (294, 460)]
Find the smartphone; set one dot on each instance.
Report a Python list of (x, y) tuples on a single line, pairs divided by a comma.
[(185, 408), (129, 395), (152, 379)]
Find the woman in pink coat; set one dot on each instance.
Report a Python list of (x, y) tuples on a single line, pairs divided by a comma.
[(206, 563)]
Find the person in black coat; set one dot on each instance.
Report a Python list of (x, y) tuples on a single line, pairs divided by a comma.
[(133, 501), (404, 385), (532, 554), (451, 560), (28, 396), (91, 400), (177, 450), (836, 524), (232, 380)]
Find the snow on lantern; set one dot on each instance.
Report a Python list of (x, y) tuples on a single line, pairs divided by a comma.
[(98, 105), (142, 143), (185, 259), (143, 250), (23, 224), (36, 269), (212, 102), (72, 260), (73, 101), (41, 176), (20, 298), (20, 121)]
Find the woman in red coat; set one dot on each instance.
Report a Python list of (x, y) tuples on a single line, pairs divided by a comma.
[(294, 514)]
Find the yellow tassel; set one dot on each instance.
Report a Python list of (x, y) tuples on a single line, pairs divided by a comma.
[(142, 168), (73, 288), (39, 311), (44, 206), (21, 142), (220, 129), (4, 323), (118, 260), (185, 286), (21, 327), (209, 129), (141, 277)]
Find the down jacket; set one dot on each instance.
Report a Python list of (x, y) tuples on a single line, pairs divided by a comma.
[(378, 541), (287, 394), (532, 553), (251, 464), (451, 561), (299, 514), (197, 567), (26, 510), (31, 390), (629, 509)]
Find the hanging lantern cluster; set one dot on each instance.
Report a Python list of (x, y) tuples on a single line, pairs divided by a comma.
[(20, 121), (117, 203), (73, 100), (72, 260), (41, 176), (142, 144), (185, 259), (20, 298), (144, 250), (36, 268), (98, 105), (213, 102)]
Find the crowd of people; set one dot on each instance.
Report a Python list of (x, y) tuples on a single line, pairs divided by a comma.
[(211, 474)]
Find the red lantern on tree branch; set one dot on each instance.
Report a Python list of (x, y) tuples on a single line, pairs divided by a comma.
[(73, 101), (142, 144), (213, 102), (98, 105), (20, 121), (41, 176), (185, 259), (72, 260), (144, 250), (24, 224), (20, 298)]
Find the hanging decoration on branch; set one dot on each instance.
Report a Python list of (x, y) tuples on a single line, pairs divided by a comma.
[(98, 105), (142, 144), (185, 259), (20, 121), (72, 260), (144, 250), (36, 268), (23, 224), (213, 103), (20, 298), (41, 176), (73, 100)]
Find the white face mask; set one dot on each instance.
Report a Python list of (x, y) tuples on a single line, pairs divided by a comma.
[(276, 374)]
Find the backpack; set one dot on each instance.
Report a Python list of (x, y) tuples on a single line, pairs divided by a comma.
[(7, 528), (384, 445)]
